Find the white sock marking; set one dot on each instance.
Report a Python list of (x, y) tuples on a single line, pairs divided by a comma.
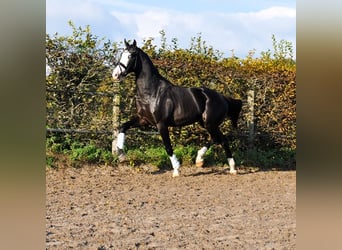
[(120, 140), (200, 154), (231, 163), (199, 157), (175, 164)]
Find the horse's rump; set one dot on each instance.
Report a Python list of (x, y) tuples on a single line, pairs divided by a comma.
[(183, 106)]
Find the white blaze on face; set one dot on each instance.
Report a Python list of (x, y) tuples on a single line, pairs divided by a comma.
[(119, 68)]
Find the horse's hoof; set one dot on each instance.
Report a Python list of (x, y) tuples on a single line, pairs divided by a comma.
[(175, 174), (122, 158), (233, 172), (199, 164)]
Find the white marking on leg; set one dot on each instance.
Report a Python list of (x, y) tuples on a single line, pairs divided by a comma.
[(231, 163), (120, 141), (199, 158), (175, 165)]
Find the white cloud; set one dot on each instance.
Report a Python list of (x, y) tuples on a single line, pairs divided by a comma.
[(81, 10), (270, 13), (81, 13), (240, 31)]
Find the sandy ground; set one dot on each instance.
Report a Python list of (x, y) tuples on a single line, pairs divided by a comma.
[(101, 207)]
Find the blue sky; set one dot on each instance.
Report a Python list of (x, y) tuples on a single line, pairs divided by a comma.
[(241, 26)]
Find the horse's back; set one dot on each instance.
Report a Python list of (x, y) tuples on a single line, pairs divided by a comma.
[(198, 104)]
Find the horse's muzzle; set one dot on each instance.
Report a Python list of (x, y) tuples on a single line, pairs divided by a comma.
[(116, 77)]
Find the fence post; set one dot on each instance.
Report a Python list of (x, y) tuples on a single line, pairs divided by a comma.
[(250, 117), (116, 115)]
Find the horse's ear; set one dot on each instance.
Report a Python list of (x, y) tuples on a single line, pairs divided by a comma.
[(134, 43), (126, 43)]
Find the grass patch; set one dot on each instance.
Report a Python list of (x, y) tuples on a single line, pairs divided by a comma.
[(67, 152), (78, 153), (282, 158)]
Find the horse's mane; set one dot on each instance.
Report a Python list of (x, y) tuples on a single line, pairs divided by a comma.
[(143, 55)]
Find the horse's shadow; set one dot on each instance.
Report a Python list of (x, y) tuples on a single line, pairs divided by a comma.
[(161, 171), (206, 170), (210, 172), (222, 171)]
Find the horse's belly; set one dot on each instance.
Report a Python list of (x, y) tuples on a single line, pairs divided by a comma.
[(185, 117)]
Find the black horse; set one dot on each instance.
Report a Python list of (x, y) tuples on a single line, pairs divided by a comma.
[(162, 104)]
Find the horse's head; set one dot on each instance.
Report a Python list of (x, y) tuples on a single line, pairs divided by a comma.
[(127, 62)]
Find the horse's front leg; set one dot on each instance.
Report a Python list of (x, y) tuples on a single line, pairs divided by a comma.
[(118, 144), (164, 132)]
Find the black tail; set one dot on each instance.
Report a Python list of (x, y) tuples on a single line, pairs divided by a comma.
[(234, 109)]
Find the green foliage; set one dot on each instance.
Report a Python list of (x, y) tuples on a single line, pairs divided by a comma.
[(259, 158), (81, 64), (268, 158), (155, 156), (215, 156), (87, 153), (51, 161), (158, 157), (77, 153)]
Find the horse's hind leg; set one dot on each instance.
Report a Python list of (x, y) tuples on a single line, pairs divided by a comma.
[(201, 152), (199, 157), (219, 138)]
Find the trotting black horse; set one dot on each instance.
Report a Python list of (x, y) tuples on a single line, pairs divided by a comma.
[(162, 104)]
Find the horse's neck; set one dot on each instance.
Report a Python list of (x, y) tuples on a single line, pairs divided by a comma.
[(147, 66), (147, 77)]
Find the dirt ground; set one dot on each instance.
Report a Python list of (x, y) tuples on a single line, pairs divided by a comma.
[(205, 208)]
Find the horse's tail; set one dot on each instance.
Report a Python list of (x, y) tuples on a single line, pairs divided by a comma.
[(234, 109)]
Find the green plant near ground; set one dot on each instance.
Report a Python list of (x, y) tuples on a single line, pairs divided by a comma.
[(92, 154), (215, 156), (51, 161), (283, 158), (76, 152), (155, 156), (158, 157)]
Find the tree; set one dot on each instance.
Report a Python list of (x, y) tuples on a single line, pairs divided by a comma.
[(78, 66)]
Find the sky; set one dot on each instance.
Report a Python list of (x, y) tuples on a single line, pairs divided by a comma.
[(240, 26)]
